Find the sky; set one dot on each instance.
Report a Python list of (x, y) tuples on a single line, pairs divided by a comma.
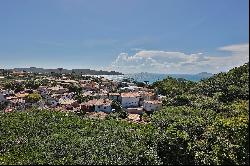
[(130, 36)]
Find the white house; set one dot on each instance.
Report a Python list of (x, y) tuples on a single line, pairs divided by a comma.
[(147, 95), (103, 105), (2, 98), (102, 95), (100, 105), (8, 92), (130, 99), (53, 102), (43, 91), (154, 105), (57, 90)]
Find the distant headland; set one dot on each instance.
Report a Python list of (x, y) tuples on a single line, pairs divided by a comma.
[(65, 71)]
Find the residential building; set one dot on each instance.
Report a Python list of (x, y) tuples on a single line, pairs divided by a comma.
[(2, 98), (103, 105), (114, 96), (154, 105), (97, 105), (130, 99)]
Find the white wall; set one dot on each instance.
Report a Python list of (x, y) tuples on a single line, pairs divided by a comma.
[(152, 107), (103, 108), (130, 102), (53, 103)]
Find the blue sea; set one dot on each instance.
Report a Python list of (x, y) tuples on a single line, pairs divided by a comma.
[(152, 77)]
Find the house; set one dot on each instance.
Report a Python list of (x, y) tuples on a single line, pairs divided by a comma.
[(100, 105), (43, 90), (130, 99), (88, 106), (154, 105), (15, 102), (103, 105), (130, 88), (102, 95), (67, 95), (114, 96), (57, 89), (7, 92), (21, 95), (147, 95), (90, 86), (52, 102), (68, 103), (2, 99)]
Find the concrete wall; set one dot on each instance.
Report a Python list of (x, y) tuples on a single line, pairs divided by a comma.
[(130, 102)]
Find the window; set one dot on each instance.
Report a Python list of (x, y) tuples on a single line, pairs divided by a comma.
[(104, 107), (99, 107)]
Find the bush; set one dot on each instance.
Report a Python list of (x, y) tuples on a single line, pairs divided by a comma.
[(49, 137), (33, 97)]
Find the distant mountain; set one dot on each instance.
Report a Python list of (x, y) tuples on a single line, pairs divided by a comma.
[(205, 74), (66, 71), (192, 77)]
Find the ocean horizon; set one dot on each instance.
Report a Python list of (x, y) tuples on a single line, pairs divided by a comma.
[(153, 77)]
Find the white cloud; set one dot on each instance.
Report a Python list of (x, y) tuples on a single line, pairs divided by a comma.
[(158, 61), (239, 48)]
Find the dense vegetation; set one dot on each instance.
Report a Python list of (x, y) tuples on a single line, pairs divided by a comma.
[(202, 123), (46, 137), (215, 93)]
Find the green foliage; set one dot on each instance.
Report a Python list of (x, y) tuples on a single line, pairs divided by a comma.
[(213, 93), (116, 105), (230, 86), (46, 137), (204, 123), (79, 98), (140, 84), (33, 98), (178, 100), (196, 136), (177, 135), (225, 142), (172, 86), (74, 88), (3, 105), (118, 113), (146, 117), (32, 84), (13, 85)]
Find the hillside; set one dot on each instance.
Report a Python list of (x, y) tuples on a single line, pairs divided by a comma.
[(229, 86), (203, 123), (216, 91)]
